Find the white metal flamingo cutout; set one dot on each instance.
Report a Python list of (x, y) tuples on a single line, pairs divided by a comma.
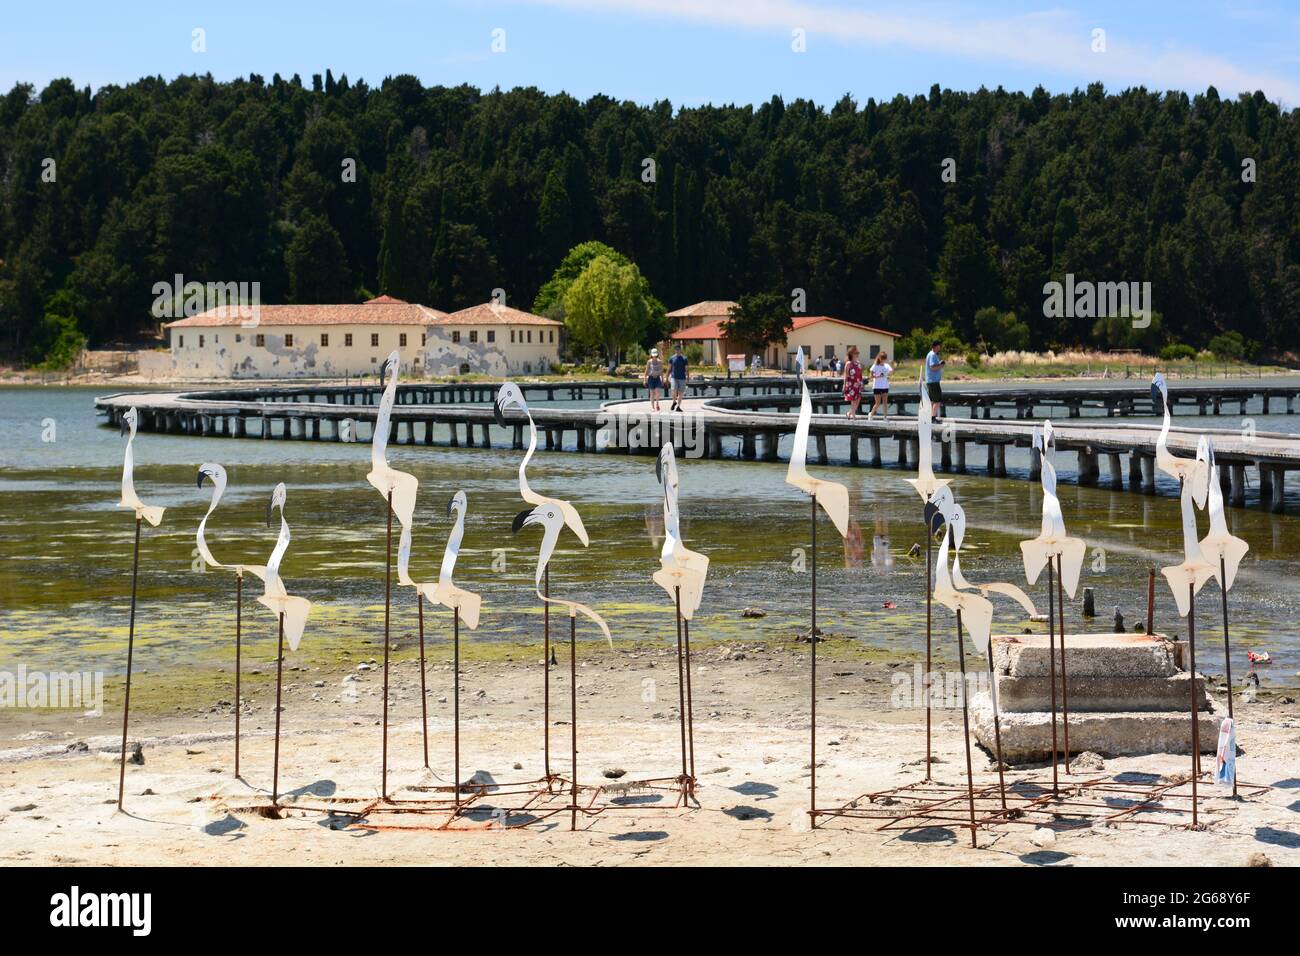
[(150, 513), (1222, 548), (682, 571), (1052, 541), (398, 487), (1187, 578), (681, 574), (551, 520), (292, 615), (153, 515), (509, 396), (925, 482), (831, 495), (1184, 469)]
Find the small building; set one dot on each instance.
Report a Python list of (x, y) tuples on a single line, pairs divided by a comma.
[(819, 335), (701, 313), (287, 341), (492, 339)]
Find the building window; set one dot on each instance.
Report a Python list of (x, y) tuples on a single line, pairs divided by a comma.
[(401, 340), (455, 337), (875, 350), (200, 341), (288, 340), (261, 341), (492, 335), (347, 339), (552, 335), (324, 339), (512, 335), (180, 341), (424, 339), (238, 338), (530, 336), (473, 335), (374, 339)]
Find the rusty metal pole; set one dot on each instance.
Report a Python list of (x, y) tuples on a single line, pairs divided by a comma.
[(1191, 674), (546, 681), (130, 654), (1065, 682), (929, 601), (424, 700), (681, 684), (690, 706), (279, 684), (573, 715), (388, 600), (1051, 663), (239, 614), (1151, 600), (997, 726), (455, 668), (965, 723), (812, 678), (1227, 650)]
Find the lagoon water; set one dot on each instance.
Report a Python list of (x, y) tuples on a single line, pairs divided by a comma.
[(65, 548)]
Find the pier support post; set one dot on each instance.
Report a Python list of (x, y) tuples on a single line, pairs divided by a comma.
[(992, 464), (1134, 472), (1148, 474), (822, 457), (747, 443), (1035, 464), (945, 456), (1088, 469), (266, 427), (1265, 482), (517, 440), (877, 460), (1278, 504), (770, 440), (1000, 461), (1116, 470), (455, 439), (1238, 496), (853, 449)]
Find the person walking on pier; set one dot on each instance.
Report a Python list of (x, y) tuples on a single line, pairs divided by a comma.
[(853, 382), (880, 370), (933, 377), (677, 376), (654, 378)]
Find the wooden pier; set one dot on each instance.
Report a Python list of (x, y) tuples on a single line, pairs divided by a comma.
[(749, 422)]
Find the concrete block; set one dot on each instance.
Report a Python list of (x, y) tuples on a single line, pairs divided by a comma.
[(1088, 655), (1099, 694)]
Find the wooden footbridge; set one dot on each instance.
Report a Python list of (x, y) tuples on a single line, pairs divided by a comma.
[(747, 418)]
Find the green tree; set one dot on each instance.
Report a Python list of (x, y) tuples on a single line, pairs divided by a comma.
[(604, 308), (317, 265), (758, 319)]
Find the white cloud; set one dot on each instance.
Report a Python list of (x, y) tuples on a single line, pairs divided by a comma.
[(1055, 41)]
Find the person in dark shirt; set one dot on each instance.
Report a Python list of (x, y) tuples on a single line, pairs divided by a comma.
[(677, 372)]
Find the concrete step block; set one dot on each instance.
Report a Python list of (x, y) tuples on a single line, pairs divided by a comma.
[(1089, 655)]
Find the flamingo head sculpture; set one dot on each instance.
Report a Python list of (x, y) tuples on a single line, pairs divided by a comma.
[(1159, 392), (666, 467), (457, 503), (551, 520), (209, 471), (508, 396), (278, 498), (127, 423), (800, 363), (939, 508)]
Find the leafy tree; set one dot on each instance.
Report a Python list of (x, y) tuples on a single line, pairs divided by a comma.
[(605, 309), (1001, 331), (317, 264), (759, 319)]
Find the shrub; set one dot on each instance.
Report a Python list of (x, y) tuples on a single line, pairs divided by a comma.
[(694, 353), (62, 342), (1228, 347), (1177, 351)]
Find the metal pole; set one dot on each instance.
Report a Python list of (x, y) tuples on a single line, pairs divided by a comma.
[(925, 684), (424, 701), (1051, 663), (239, 613), (997, 725), (965, 723), (455, 667), (681, 682), (130, 654), (690, 707), (812, 678), (1196, 722), (388, 598), (546, 682), (1227, 650), (279, 683), (1065, 683), (573, 715)]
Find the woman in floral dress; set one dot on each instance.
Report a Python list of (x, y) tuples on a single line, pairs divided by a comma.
[(853, 381)]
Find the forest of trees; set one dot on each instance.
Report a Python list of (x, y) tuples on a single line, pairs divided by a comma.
[(458, 192)]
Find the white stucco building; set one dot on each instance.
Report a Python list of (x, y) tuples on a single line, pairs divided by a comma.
[(493, 339)]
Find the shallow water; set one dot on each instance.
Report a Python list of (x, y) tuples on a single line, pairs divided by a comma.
[(65, 548)]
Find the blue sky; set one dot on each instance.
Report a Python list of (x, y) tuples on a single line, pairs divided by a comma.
[(686, 51)]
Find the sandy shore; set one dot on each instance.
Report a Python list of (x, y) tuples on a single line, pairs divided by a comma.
[(58, 782)]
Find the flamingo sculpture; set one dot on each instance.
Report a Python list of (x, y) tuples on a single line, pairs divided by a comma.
[(510, 396), (291, 612), (834, 499), (551, 520), (1222, 547), (216, 474), (681, 574), (152, 514), (399, 489), (926, 485), (1064, 555), (465, 606)]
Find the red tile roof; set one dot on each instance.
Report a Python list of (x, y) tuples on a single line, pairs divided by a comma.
[(385, 300), (369, 313), (713, 330), (707, 308), (490, 313)]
